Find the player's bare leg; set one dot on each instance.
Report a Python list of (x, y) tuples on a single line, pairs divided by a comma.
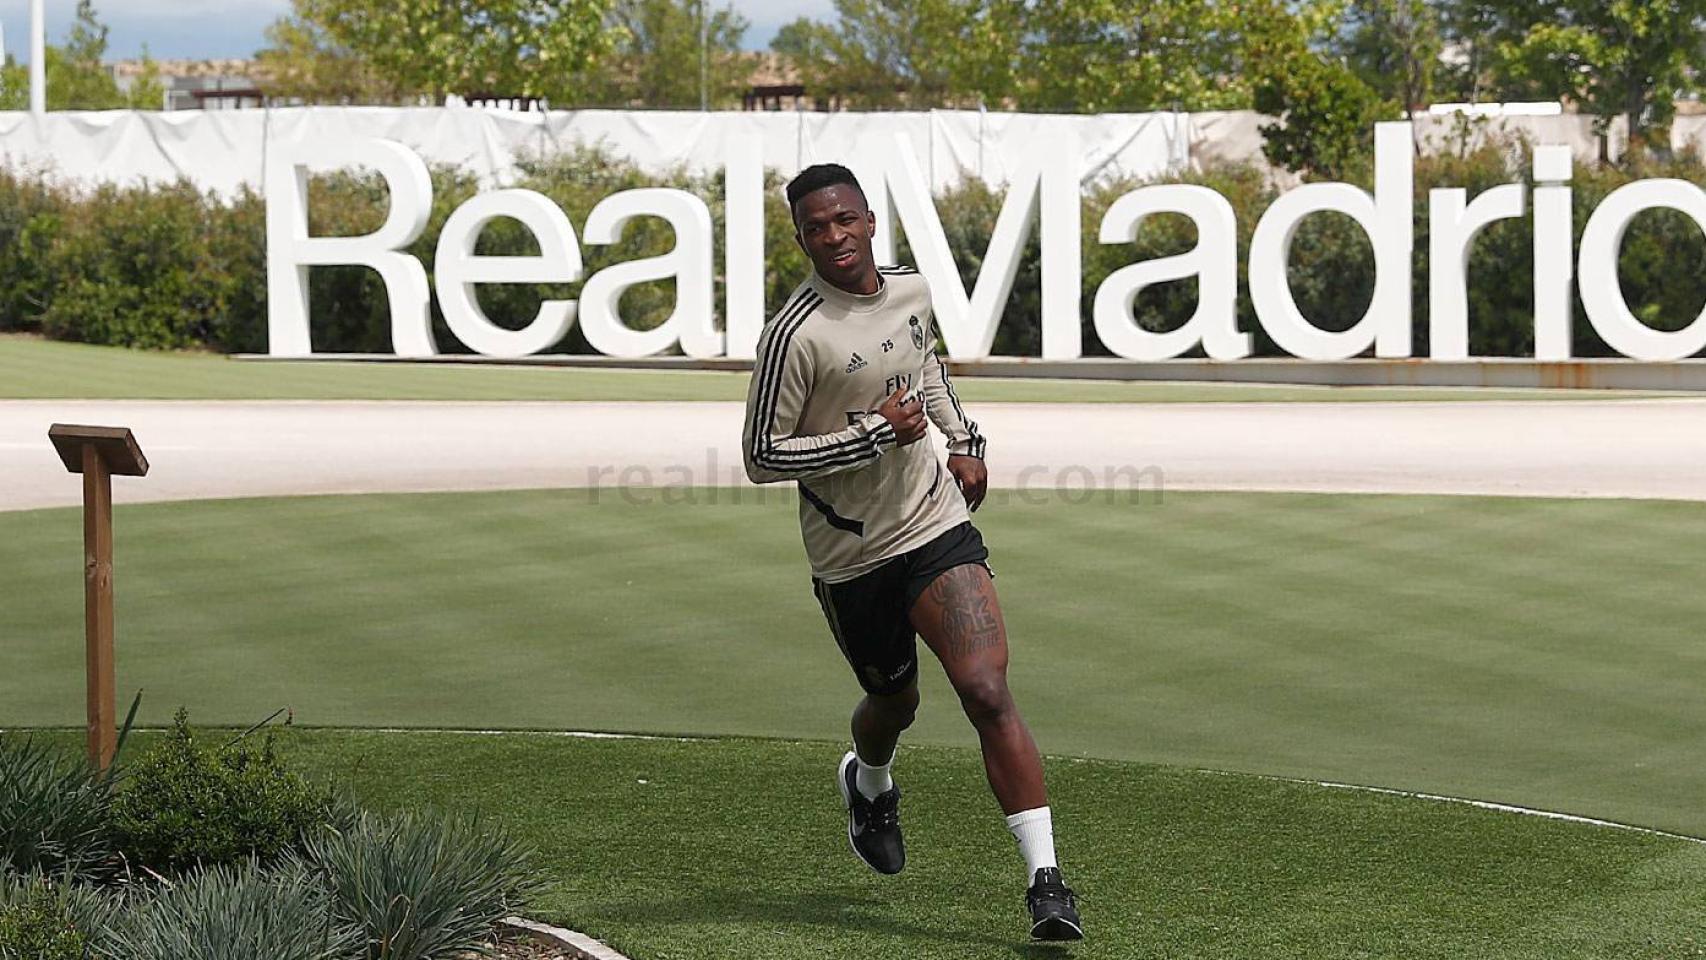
[(959, 617), (867, 790), (878, 722)]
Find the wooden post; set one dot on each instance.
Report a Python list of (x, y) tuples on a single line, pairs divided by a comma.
[(98, 604), (98, 453)]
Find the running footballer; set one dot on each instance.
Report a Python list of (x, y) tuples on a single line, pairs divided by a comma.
[(845, 378)]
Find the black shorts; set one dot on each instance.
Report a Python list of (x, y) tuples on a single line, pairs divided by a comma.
[(869, 614)]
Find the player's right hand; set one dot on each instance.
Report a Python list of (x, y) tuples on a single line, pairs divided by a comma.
[(907, 417)]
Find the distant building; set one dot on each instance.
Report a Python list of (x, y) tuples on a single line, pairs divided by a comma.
[(774, 84), (197, 84)]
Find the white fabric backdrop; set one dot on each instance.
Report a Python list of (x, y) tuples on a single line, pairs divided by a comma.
[(226, 149), (223, 150)]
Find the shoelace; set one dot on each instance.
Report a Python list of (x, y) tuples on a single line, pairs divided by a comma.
[(885, 812), (1056, 891)]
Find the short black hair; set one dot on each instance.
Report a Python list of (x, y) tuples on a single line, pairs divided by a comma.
[(816, 177)]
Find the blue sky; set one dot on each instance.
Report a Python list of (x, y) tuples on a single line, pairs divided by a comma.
[(234, 28)]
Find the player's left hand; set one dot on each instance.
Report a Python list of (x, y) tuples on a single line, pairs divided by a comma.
[(972, 477)]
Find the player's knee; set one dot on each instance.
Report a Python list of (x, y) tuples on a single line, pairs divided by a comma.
[(905, 706), (985, 698), (896, 709)]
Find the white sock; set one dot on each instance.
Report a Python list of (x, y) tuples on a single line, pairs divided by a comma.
[(1034, 829), (872, 781)]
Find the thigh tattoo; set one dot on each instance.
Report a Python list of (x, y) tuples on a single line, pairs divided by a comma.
[(969, 620)]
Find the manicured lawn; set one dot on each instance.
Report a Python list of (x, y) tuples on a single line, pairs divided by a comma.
[(32, 368), (735, 850), (1544, 653)]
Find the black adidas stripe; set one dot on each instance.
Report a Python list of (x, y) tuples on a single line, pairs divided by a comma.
[(769, 390), (836, 520), (977, 441), (768, 362), (787, 460), (844, 452), (770, 359)]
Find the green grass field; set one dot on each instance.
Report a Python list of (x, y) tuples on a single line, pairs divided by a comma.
[(32, 368), (1543, 653), (712, 850)]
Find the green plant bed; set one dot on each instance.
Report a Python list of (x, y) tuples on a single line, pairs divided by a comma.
[(224, 853)]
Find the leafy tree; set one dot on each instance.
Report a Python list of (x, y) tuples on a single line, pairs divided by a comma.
[(1047, 55), (1108, 55), (655, 60), (77, 79), (1327, 113), (1466, 29), (1625, 58), (147, 91), (917, 54), (408, 48), (304, 62), (1394, 47)]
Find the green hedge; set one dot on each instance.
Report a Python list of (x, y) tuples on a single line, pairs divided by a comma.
[(166, 266)]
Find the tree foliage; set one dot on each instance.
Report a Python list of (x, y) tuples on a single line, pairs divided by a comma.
[(908, 53), (1326, 112), (1394, 47), (77, 78), (1112, 55), (654, 57), (1626, 58), (430, 48), (1045, 55)]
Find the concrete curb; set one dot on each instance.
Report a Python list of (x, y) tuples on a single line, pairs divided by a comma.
[(578, 945), (1498, 372)]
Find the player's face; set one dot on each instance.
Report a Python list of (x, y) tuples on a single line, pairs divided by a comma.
[(834, 227)]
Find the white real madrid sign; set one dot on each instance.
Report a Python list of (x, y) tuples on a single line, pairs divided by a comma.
[(1042, 196)]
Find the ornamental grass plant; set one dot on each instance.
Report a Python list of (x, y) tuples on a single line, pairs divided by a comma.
[(419, 887), (219, 851)]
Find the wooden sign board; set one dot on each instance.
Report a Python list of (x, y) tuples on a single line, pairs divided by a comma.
[(116, 445)]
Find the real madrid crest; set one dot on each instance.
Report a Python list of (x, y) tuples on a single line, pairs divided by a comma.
[(917, 333)]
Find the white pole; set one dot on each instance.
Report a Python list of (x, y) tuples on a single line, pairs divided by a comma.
[(38, 59), (2, 43)]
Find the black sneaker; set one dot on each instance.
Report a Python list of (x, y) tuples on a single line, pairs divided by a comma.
[(1054, 910), (873, 826)]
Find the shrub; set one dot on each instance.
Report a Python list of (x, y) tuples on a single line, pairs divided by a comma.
[(52, 919), (31, 211), (53, 812), (420, 888), (35, 927), (132, 266), (184, 804), (234, 911)]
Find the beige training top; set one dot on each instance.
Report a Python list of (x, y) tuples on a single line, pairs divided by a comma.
[(826, 361)]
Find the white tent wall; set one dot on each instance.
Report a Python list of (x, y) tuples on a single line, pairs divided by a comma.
[(223, 150), (226, 149)]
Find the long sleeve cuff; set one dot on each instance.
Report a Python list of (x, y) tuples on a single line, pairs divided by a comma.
[(972, 446)]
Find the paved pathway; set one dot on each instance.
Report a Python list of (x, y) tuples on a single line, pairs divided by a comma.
[(1630, 448)]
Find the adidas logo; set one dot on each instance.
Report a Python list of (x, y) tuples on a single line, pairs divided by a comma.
[(856, 363)]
